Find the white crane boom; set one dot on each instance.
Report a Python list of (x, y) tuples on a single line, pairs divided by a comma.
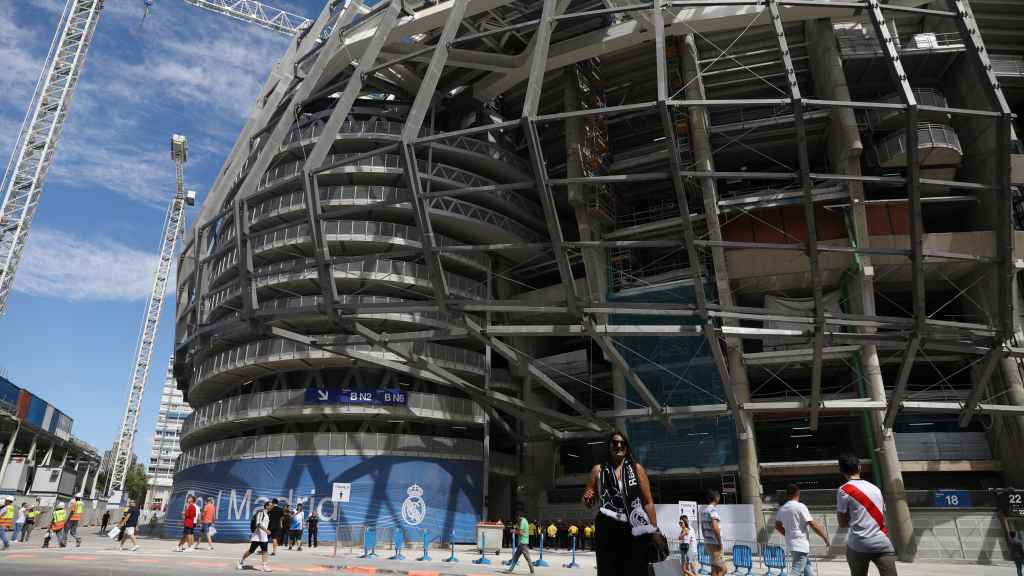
[(173, 228), (33, 152), (255, 13), (40, 132)]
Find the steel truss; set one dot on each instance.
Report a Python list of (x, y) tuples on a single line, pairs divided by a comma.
[(354, 55)]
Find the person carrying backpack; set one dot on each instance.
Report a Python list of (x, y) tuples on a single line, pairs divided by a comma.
[(259, 525)]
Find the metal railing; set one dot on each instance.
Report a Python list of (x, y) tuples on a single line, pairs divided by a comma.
[(276, 402), (276, 350)]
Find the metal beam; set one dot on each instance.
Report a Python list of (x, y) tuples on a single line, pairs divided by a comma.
[(531, 101), (990, 363), (523, 361), (413, 123), (901, 383), (808, 202)]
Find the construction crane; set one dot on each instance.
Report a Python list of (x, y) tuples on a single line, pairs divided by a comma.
[(40, 131), (174, 226)]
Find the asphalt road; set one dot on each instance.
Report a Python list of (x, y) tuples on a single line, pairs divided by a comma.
[(98, 556)]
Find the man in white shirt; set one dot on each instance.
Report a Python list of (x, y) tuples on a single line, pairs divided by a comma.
[(861, 508), (792, 521), (711, 529), (260, 537)]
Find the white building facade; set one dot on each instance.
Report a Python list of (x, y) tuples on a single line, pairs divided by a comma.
[(166, 444)]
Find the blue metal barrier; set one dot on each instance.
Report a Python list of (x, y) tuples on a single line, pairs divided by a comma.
[(541, 561), (451, 558), (703, 559), (742, 557), (774, 558), (370, 543), (426, 547), (572, 563), (398, 539), (483, 551)]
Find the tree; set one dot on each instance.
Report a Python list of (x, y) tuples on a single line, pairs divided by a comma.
[(136, 483)]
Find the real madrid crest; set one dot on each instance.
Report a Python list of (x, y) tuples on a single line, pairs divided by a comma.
[(414, 509)]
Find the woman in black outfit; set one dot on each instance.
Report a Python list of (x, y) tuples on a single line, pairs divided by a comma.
[(312, 524), (627, 526)]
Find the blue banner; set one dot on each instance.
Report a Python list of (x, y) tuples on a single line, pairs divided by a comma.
[(952, 499), (384, 396), (416, 494)]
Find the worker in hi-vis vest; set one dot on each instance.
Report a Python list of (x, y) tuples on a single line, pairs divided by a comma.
[(6, 519), (58, 520), (71, 528)]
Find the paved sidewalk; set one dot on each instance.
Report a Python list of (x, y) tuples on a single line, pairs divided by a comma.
[(98, 556)]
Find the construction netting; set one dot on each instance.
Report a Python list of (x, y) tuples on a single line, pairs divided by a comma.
[(679, 371)]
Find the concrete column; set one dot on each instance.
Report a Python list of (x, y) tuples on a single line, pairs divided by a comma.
[(32, 449), (92, 490), (845, 149), (85, 481), (700, 141), (9, 450), (897, 511)]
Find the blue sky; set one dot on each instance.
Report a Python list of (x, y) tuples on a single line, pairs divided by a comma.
[(72, 322)]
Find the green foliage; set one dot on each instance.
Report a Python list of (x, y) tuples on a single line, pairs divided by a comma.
[(135, 483)]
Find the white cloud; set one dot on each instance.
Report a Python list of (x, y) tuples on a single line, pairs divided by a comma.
[(59, 265), (182, 69)]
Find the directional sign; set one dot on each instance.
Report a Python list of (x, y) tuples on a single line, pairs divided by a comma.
[(341, 492), (952, 499), (1011, 502), (381, 396)]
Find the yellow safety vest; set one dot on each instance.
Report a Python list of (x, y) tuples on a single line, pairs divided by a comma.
[(31, 515), (7, 517), (60, 516), (76, 510), (587, 532)]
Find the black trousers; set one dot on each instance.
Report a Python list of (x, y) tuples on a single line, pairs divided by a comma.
[(313, 537), (619, 553)]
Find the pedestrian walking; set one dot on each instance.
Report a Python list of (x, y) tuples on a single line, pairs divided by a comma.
[(129, 524), (626, 523), (295, 528), (711, 528), (1017, 552), (104, 521), (521, 535), (7, 513), (58, 519), (861, 508), (687, 541), (75, 511), (30, 523), (189, 517), (259, 525), (276, 514), (312, 527), (19, 522), (209, 513), (792, 521)]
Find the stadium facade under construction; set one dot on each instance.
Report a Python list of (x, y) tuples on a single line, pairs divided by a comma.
[(457, 243)]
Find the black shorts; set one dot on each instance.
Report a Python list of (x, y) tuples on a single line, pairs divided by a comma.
[(188, 531), (254, 546), (278, 535)]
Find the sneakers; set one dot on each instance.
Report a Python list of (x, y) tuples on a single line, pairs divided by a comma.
[(265, 568), (135, 548)]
